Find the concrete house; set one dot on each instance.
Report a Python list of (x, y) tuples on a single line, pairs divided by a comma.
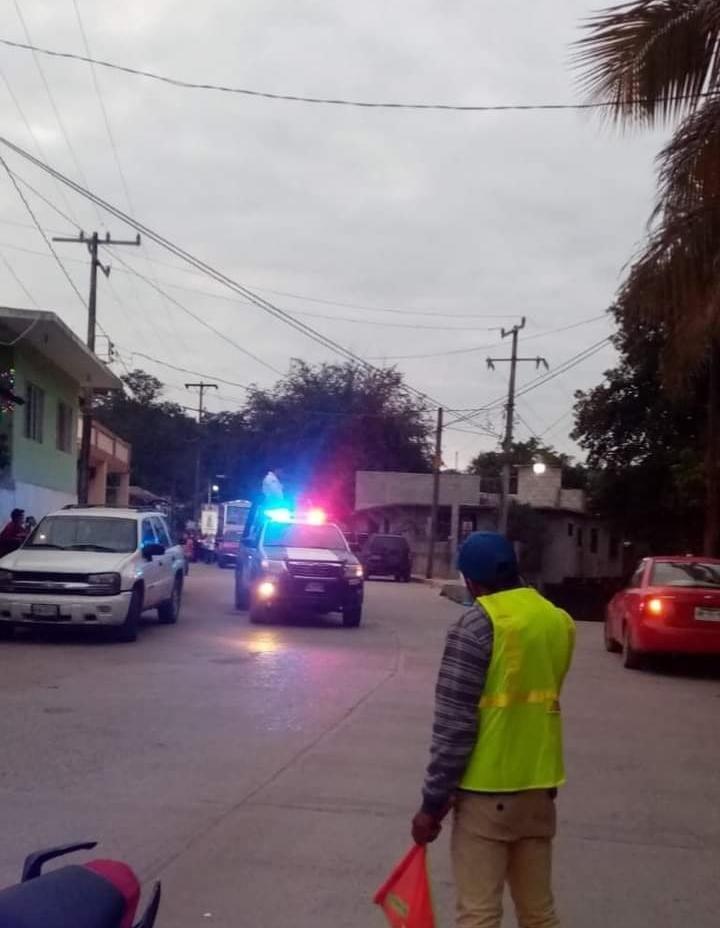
[(574, 543), (44, 368)]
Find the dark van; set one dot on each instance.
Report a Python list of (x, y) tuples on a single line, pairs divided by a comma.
[(387, 556)]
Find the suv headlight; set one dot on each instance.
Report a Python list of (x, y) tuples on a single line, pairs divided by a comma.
[(104, 583), (6, 580), (354, 571), (273, 567)]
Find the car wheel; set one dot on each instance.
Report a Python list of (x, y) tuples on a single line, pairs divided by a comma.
[(614, 647), (260, 614), (128, 631), (242, 600), (7, 631), (352, 616), (632, 659), (169, 611)]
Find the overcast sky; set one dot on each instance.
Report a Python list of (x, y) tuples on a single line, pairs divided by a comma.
[(460, 222)]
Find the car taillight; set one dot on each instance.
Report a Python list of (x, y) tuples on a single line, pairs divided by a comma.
[(656, 608)]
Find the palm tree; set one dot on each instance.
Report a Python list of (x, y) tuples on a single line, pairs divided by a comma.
[(659, 60)]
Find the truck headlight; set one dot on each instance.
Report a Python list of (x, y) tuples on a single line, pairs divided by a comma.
[(273, 567), (104, 583), (354, 571)]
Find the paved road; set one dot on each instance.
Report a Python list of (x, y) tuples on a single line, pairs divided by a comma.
[(268, 774)]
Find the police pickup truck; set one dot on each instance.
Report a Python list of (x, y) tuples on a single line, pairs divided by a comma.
[(292, 564)]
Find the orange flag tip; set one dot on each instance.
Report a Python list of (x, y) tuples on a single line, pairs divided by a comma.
[(405, 896)]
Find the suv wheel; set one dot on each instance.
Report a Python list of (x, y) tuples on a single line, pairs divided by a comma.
[(352, 616), (128, 631), (260, 614), (169, 611)]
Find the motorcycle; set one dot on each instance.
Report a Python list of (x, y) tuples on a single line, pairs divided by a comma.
[(98, 894)]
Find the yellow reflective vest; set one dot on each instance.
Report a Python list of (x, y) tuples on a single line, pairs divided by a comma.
[(519, 744)]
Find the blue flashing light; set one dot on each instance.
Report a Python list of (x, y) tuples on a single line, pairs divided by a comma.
[(278, 515)]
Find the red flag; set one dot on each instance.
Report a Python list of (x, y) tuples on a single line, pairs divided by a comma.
[(405, 897)]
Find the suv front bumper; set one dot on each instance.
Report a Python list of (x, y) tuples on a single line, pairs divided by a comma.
[(71, 610), (313, 595)]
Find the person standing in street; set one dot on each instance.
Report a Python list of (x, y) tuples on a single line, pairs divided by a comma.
[(14, 533), (496, 756)]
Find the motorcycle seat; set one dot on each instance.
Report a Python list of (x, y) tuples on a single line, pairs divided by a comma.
[(71, 897)]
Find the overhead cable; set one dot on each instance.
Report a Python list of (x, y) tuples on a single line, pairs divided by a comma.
[(326, 101)]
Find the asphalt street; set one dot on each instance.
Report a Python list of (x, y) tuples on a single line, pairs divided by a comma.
[(268, 774)]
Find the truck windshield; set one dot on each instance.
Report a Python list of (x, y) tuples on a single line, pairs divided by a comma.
[(85, 533), (292, 535)]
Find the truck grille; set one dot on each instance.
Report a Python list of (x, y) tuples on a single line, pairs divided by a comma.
[(49, 583), (313, 570)]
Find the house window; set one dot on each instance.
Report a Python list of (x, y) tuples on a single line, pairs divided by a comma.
[(593, 541), (580, 536), (614, 547), (570, 529), (34, 412), (64, 428)]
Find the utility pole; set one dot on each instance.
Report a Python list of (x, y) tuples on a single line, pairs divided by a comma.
[(93, 244), (201, 388), (514, 360), (437, 464)]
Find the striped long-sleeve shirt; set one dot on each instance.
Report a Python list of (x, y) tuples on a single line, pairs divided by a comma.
[(460, 685)]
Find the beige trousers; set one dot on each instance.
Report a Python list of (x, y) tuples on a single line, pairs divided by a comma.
[(498, 838)]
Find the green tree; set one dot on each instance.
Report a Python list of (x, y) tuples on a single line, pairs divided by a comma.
[(643, 446), (323, 423), (653, 60), (163, 437), (488, 464)]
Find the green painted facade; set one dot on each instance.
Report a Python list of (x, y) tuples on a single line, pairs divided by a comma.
[(41, 463)]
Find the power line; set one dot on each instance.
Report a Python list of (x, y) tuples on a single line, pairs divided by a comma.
[(18, 280), (268, 307), (539, 381), (33, 135), (328, 101), (470, 350), (51, 98), (193, 315)]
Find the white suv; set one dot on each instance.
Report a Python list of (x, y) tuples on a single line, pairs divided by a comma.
[(93, 566)]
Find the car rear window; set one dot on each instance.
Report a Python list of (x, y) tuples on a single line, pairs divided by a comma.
[(685, 573), (292, 535), (394, 544), (86, 533)]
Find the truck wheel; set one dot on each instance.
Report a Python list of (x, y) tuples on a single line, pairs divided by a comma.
[(128, 631), (169, 611), (242, 600), (352, 616)]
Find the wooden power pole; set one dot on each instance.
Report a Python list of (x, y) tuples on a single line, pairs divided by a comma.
[(93, 243), (437, 464), (514, 360), (201, 387)]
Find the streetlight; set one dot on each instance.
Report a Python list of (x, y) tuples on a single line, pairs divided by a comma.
[(539, 468)]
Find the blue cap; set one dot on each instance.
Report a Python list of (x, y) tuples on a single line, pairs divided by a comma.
[(487, 557)]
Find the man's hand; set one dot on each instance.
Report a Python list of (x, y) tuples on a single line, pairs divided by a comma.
[(425, 828)]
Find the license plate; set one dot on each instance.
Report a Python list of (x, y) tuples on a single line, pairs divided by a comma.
[(706, 615), (314, 587), (44, 611)]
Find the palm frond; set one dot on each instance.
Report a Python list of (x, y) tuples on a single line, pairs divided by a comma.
[(675, 283), (690, 164), (651, 59)]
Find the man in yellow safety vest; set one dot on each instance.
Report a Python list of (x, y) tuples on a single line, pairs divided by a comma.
[(496, 754)]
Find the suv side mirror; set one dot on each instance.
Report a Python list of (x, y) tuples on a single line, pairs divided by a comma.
[(152, 550)]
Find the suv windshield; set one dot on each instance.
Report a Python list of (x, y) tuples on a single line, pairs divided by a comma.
[(292, 535), (685, 573), (86, 533)]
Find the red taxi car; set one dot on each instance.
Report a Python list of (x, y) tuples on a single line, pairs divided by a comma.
[(671, 604)]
